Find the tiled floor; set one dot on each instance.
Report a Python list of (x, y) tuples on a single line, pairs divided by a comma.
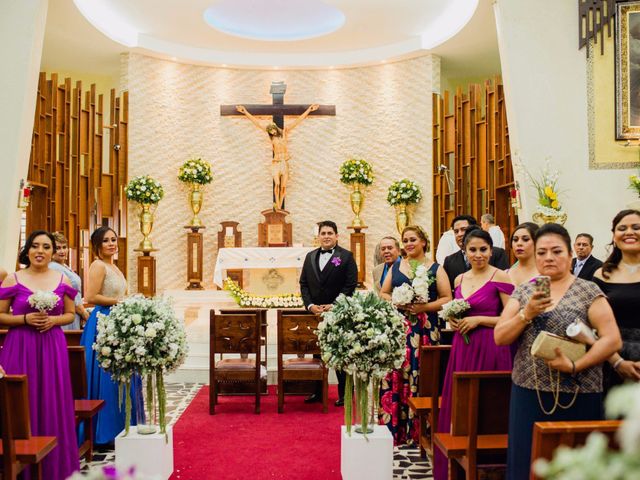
[(407, 464)]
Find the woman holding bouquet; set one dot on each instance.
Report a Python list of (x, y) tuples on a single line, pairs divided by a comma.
[(105, 288), (422, 329), (486, 289), (41, 300)]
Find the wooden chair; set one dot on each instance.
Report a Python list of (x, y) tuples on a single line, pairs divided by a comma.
[(73, 337), (19, 449), (234, 333), (231, 237), (548, 436), (84, 409), (426, 406), (479, 423), (296, 336)]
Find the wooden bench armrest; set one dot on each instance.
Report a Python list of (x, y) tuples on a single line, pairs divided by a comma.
[(456, 445), (34, 449), (420, 404)]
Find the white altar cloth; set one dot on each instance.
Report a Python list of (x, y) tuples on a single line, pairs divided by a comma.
[(260, 257)]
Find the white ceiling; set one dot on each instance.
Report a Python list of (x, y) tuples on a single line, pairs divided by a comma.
[(374, 30)]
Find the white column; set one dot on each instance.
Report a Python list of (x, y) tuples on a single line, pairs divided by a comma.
[(545, 81), (22, 25)]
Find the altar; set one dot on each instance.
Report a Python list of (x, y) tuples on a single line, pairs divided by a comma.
[(269, 270)]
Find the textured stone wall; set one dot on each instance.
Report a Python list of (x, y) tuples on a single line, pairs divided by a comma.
[(383, 114)]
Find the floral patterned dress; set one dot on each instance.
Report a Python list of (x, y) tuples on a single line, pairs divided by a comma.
[(400, 385)]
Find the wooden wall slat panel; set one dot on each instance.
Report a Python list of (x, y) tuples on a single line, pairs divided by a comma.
[(476, 136), (66, 166)]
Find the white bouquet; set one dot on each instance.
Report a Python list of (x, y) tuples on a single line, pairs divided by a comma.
[(365, 337), (418, 290), (43, 300), (402, 295), (141, 336), (455, 309)]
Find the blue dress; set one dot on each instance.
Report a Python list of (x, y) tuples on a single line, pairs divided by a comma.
[(110, 420), (400, 385)]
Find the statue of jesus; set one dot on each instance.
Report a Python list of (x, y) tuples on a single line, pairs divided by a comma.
[(280, 161)]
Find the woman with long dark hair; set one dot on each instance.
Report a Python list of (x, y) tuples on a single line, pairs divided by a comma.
[(522, 246), (105, 288), (619, 279), (35, 346)]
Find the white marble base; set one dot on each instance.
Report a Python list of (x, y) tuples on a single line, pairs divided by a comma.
[(152, 455), (371, 459)]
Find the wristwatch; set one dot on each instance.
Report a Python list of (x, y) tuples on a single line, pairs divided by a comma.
[(523, 318)]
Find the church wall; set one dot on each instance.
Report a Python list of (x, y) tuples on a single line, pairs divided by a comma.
[(383, 114), (547, 94)]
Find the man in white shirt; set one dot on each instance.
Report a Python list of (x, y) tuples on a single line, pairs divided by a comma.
[(488, 224), (447, 245)]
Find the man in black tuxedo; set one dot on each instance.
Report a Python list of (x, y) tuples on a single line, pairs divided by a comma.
[(327, 272), (457, 263), (585, 264)]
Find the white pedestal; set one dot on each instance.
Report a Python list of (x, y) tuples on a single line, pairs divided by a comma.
[(152, 455), (372, 459)]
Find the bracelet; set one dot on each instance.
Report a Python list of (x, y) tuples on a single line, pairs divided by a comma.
[(523, 317), (617, 363), (24, 317), (573, 368)]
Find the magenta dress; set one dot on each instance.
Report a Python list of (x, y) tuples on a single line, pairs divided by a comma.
[(44, 359), (481, 354)]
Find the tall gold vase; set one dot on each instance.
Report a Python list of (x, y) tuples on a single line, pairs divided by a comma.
[(195, 201), (357, 200), (402, 218), (146, 225)]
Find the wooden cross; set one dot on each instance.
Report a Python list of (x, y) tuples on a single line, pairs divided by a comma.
[(278, 109)]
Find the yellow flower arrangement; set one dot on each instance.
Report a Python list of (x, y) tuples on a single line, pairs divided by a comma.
[(634, 183), (546, 186)]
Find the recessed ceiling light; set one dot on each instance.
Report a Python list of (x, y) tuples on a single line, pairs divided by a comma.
[(274, 20)]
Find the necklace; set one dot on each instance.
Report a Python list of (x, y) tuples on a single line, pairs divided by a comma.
[(632, 269)]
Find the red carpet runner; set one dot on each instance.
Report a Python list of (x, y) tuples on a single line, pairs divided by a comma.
[(302, 443)]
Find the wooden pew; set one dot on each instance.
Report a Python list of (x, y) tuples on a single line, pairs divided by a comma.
[(548, 436), (479, 423), (19, 449), (73, 337), (84, 409), (426, 406)]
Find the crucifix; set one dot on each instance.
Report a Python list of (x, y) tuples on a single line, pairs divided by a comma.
[(277, 131)]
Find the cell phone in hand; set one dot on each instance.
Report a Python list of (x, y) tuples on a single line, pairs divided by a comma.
[(543, 285)]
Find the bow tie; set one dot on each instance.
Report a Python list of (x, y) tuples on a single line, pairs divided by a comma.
[(322, 252)]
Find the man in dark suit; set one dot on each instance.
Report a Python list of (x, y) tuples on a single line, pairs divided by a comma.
[(457, 263), (327, 272), (585, 264)]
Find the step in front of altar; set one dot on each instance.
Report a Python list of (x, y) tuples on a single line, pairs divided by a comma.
[(194, 307)]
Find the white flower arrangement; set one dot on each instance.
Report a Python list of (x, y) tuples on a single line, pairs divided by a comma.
[(144, 189), (594, 460), (108, 472), (356, 170), (197, 171), (141, 336), (418, 290), (43, 300), (363, 336), (404, 192), (455, 309), (248, 300)]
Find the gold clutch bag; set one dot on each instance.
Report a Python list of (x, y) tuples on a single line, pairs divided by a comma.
[(545, 344)]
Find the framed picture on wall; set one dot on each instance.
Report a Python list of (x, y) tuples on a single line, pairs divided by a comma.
[(627, 70)]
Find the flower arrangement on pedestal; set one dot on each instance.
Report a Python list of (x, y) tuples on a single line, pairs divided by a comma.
[(595, 461), (357, 173), (363, 336), (146, 192), (249, 300), (196, 173), (634, 183), (549, 209), (401, 194), (142, 336)]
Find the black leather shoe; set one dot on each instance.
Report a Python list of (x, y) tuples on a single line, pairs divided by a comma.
[(339, 402), (313, 398)]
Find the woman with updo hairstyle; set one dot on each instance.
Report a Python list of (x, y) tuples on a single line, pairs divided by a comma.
[(487, 290), (421, 320), (558, 389), (35, 346), (619, 279), (60, 263), (522, 246), (106, 287)]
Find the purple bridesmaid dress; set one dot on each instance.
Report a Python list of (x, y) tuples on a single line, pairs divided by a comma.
[(43, 358), (481, 354)]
